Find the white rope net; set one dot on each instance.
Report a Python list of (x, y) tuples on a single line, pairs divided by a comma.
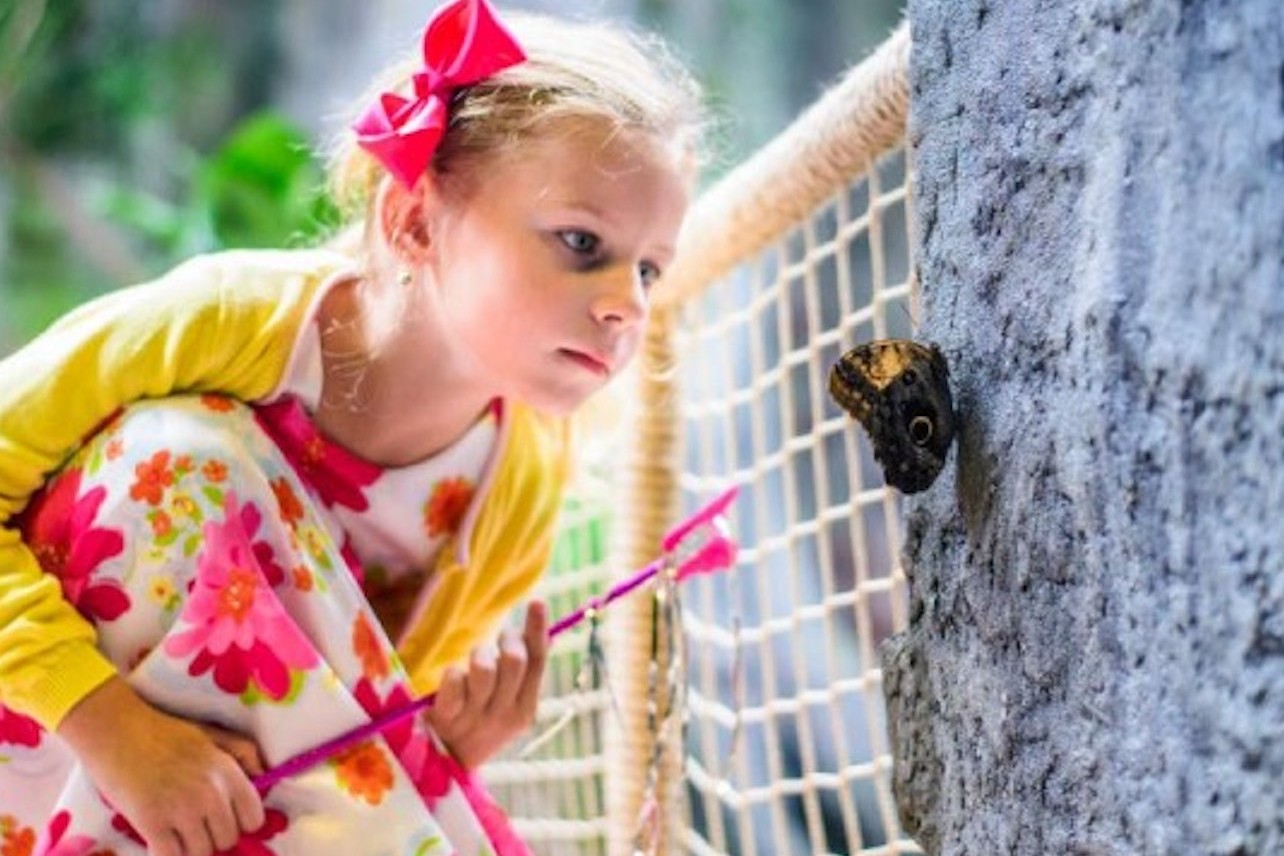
[(787, 743), (798, 255)]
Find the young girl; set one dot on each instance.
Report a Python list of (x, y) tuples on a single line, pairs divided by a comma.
[(286, 462)]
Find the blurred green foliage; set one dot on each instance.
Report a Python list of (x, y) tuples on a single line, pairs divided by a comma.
[(123, 150)]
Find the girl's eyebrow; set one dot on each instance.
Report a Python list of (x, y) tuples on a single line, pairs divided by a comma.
[(584, 207)]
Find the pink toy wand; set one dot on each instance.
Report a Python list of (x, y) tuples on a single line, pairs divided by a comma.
[(716, 551)]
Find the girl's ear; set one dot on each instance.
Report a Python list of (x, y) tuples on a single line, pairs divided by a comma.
[(406, 218)]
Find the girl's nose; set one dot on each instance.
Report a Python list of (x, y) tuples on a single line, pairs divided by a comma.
[(621, 298)]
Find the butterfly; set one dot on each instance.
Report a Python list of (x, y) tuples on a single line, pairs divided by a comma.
[(900, 392)]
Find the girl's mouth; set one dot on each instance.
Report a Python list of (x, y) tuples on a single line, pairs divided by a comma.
[(587, 361)]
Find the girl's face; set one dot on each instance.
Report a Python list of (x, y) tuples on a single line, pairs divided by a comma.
[(541, 273)]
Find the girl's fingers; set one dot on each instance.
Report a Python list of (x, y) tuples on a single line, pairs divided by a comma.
[(247, 806), (510, 673), (452, 697), (482, 674), (243, 750), (222, 829), (194, 840), (165, 843), (535, 635)]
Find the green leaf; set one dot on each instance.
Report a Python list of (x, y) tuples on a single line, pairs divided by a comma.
[(428, 845), (263, 187)]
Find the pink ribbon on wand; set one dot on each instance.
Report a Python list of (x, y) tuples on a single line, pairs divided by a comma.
[(716, 552)]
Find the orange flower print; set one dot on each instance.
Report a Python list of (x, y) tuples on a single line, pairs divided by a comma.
[(114, 449), (16, 840), (184, 465), (302, 578), (364, 772), (162, 524), (447, 506), (153, 477), (217, 403), (287, 501), (214, 470), (365, 642)]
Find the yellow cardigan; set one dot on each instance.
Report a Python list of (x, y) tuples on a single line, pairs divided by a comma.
[(228, 322)]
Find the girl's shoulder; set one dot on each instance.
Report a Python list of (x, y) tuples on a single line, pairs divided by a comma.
[(216, 288), (255, 273)]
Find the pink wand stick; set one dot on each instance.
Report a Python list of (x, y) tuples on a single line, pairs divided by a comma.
[(716, 552)]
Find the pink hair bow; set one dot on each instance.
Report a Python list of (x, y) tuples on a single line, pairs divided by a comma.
[(463, 43)]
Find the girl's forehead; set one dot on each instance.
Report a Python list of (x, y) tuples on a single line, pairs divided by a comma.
[(591, 155)]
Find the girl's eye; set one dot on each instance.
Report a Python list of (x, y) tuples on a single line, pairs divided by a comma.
[(583, 243), (649, 273)]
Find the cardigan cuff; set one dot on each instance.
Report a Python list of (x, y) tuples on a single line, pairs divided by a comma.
[(60, 682)]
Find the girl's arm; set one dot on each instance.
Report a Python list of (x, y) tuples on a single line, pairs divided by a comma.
[(225, 322)]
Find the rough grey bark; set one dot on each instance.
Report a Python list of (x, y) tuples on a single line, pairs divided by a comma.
[(1095, 659)]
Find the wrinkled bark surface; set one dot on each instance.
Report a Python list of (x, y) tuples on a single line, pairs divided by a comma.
[(1095, 660)]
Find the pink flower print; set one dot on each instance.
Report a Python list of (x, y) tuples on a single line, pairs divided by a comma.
[(338, 476), (55, 844), (353, 562), (18, 729), (438, 770), (125, 828), (59, 528), (237, 627), (251, 519)]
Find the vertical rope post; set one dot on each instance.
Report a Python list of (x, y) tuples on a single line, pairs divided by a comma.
[(647, 506)]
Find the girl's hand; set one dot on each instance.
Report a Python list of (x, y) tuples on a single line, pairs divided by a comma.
[(184, 787), (476, 713)]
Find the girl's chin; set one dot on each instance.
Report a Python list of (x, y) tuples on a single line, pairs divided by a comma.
[(557, 405)]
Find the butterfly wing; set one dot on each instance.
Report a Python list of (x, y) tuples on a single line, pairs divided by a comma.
[(899, 392)]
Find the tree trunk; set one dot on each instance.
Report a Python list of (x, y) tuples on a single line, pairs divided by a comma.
[(1095, 657)]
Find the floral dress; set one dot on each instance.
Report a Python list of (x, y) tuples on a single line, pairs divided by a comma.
[(220, 551)]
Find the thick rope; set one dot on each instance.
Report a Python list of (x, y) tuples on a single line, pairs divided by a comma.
[(647, 508), (837, 138)]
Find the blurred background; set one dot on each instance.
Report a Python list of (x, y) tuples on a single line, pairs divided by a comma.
[(134, 133)]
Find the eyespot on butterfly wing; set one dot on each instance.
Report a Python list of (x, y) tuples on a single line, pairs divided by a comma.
[(899, 391)]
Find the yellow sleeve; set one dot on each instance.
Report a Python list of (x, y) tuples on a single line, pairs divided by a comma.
[(225, 322), (510, 548)]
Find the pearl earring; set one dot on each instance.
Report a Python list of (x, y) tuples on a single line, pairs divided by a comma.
[(405, 277)]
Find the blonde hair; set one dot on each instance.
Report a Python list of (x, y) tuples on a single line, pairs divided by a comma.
[(575, 74)]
